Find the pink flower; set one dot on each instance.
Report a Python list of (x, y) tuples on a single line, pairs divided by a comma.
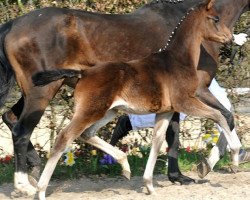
[(188, 149)]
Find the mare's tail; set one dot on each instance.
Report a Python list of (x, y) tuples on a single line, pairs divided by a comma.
[(45, 77), (6, 73)]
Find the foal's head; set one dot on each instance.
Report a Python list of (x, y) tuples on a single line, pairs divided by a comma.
[(211, 28)]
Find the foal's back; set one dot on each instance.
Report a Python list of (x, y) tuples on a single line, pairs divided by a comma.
[(139, 86)]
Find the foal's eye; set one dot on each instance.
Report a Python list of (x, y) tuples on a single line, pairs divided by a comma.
[(216, 19)]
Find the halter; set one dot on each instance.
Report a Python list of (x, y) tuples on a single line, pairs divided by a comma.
[(175, 29)]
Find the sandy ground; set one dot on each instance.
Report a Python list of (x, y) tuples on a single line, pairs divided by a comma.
[(216, 186)]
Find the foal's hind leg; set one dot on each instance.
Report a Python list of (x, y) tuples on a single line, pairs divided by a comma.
[(89, 137), (81, 123), (65, 138), (205, 166), (192, 106), (161, 124), (172, 137)]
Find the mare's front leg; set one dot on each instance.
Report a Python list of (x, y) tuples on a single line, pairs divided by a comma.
[(35, 103), (10, 118), (161, 123), (172, 137)]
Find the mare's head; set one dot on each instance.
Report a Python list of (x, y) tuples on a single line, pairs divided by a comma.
[(209, 24)]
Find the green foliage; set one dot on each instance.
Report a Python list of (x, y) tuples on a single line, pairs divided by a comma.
[(89, 165), (6, 172)]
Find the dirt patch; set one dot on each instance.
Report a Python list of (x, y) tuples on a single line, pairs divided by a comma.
[(216, 186)]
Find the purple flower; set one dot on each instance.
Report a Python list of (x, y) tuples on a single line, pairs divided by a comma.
[(107, 160)]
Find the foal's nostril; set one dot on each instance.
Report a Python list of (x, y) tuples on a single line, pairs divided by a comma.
[(228, 38)]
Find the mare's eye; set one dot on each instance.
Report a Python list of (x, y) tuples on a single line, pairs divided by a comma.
[(216, 19)]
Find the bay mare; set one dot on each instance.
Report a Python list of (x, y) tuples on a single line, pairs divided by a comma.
[(53, 38), (161, 83)]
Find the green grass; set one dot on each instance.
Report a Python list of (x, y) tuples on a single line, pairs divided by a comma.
[(6, 173)]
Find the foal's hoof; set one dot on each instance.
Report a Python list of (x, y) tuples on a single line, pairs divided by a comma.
[(178, 177), (203, 168), (126, 174), (234, 169)]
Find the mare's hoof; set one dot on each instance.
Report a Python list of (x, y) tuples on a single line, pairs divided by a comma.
[(203, 168), (34, 175), (178, 177), (126, 174), (28, 192)]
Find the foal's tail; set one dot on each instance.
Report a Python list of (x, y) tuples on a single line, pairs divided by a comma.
[(45, 77), (6, 73)]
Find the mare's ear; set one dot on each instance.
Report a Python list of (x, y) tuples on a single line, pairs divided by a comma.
[(209, 4)]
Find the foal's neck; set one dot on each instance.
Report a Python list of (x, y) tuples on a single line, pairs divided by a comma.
[(185, 45)]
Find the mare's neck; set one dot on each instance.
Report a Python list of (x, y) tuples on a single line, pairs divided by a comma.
[(185, 45), (231, 10), (167, 9)]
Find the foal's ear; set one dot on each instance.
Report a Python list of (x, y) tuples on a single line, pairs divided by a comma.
[(209, 4)]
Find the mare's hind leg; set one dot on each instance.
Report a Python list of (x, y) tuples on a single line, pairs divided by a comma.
[(33, 160), (34, 106), (89, 137), (172, 137), (161, 124)]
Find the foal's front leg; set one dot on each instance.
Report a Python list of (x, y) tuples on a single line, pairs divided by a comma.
[(161, 124)]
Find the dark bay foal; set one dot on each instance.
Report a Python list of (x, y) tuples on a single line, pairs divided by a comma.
[(162, 83)]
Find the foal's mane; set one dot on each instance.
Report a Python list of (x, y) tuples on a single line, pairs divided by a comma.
[(175, 29)]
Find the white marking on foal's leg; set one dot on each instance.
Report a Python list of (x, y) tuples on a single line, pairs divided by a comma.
[(46, 175), (234, 144), (120, 156), (161, 125), (22, 184)]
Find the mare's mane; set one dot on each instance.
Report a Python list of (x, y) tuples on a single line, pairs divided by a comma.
[(175, 29), (167, 1)]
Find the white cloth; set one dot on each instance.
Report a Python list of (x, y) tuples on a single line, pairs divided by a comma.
[(145, 121), (142, 121), (240, 38)]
